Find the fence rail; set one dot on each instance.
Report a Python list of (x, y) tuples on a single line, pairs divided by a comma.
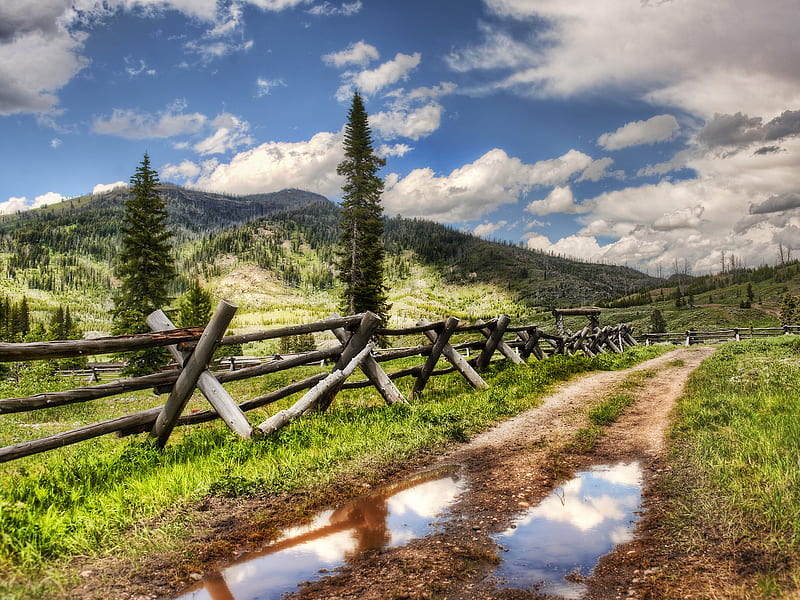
[(192, 349), (690, 337)]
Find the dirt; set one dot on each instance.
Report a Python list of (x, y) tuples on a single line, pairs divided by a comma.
[(508, 468)]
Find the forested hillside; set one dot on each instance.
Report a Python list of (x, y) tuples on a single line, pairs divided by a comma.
[(62, 254)]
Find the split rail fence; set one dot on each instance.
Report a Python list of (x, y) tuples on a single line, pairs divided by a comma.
[(735, 334), (192, 349)]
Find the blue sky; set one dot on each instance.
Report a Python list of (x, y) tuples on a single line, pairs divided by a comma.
[(641, 132)]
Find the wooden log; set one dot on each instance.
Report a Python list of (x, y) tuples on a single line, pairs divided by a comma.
[(189, 375), (209, 386), (205, 416), (377, 376), (69, 348), (82, 394), (316, 394), (75, 435), (494, 341), (459, 362), (439, 343), (258, 336), (357, 342)]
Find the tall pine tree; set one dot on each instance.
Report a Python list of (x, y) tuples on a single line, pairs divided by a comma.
[(144, 265), (361, 251)]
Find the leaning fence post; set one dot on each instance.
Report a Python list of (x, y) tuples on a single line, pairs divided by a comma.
[(315, 395), (494, 341), (366, 329), (458, 361), (374, 372), (436, 351), (193, 368)]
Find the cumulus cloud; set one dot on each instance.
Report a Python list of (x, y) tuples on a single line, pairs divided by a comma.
[(101, 188), (15, 204), (230, 132), (739, 130), (477, 188), (411, 124), (684, 218), (777, 203), (185, 171), (387, 151), (358, 53), (487, 229), (273, 166), (599, 169), (560, 200), (371, 81), (701, 57), (660, 128)]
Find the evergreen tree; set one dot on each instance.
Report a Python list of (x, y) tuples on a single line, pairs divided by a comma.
[(360, 252), (144, 264), (195, 306), (788, 309), (658, 324)]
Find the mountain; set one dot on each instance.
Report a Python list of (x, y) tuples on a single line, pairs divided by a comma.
[(66, 250)]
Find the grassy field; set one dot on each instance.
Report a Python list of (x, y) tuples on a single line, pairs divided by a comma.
[(734, 492), (97, 497)]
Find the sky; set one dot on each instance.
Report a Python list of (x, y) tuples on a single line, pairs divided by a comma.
[(658, 134)]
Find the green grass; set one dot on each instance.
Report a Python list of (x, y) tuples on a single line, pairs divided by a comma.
[(736, 458), (96, 497)]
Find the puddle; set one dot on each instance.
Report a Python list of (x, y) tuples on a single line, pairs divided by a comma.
[(553, 545), (390, 516)]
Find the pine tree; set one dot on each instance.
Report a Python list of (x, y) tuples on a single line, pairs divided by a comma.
[(361, 251), (195, 306), (144, 264), (658, 324)]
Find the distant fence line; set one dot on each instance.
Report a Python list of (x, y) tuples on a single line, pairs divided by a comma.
[(192, 349), (735, 334)]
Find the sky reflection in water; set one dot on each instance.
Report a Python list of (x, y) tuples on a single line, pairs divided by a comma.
[(391, 516), (570, 530)]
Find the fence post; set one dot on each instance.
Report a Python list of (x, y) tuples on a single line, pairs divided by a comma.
[(317, 394), (494, 341), (458, 361), (736, 334), (193, 367), (374, 372), (436, 351), (688, 337), (357, 342)]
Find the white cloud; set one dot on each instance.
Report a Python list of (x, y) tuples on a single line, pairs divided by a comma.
[(599, 169), (48, 198), (660, 128), (136, 68), (703, 57), (136, 125), (326, 9), (265, 86), (101, 188), (386, 151), (185, 171), (309, 165), (14, 204), (55, 143), (18, 204), (487, 229), (478, 188), (683, 218), (230, 133), (414, 124), (560, 200), (372, 81), (358, 53)]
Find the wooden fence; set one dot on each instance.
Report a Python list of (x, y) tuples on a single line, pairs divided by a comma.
[(736, 334), (192, 349)]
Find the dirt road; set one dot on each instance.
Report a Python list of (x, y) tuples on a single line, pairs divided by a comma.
[(508, 469)]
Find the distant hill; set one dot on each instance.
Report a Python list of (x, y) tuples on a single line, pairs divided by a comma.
[(67, 249)]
